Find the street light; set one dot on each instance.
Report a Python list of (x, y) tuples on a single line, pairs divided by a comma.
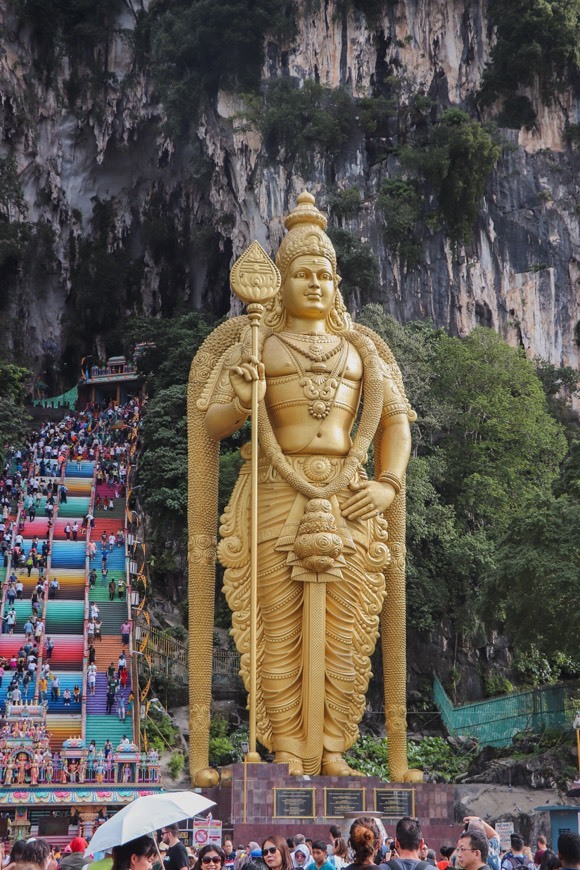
[(577, 727)]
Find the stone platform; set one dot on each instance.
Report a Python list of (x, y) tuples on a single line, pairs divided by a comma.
[(265, 800)]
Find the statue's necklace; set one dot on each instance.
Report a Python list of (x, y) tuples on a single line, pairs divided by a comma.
[(319, 386), (315, 351)]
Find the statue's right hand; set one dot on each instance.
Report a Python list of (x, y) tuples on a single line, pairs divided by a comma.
[(242, 377)]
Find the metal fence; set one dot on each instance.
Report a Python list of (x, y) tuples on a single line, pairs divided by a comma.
[(495, 721)]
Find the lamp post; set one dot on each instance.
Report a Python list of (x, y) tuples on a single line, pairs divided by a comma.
[(577, 727)]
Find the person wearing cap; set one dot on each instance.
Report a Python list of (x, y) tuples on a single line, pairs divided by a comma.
[(75, 860), (516, 857)]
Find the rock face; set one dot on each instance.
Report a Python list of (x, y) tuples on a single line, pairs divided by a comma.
[(181, 213)]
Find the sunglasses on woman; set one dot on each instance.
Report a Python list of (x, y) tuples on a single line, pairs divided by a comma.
[(269, 851), (211, 859)]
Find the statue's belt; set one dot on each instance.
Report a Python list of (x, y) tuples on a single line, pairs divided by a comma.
[(315, 535)]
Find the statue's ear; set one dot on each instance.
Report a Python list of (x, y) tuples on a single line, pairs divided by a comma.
[(337, 280)]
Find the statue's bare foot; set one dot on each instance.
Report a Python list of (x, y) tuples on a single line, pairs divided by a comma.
[(295, 766), (333, 764)]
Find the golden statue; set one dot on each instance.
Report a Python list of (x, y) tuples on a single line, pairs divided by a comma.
[(330, 542)]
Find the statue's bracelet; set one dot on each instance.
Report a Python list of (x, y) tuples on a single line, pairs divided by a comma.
[(240, 408), (389, 477)]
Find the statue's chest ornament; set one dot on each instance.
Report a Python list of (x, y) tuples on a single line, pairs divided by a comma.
[(318, 384)]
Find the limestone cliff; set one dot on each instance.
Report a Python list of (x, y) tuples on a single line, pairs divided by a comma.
[(101, 178)]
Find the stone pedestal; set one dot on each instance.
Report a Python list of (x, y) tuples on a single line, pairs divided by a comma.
[(262, 796)]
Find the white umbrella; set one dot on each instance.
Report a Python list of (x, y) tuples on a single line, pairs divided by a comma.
[(145, 815)]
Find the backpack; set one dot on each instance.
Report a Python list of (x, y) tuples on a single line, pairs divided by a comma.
[(397, 864), (516, 861)]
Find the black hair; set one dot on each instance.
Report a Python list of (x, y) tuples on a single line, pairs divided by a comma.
[(141, 846), (569, 848), (36, 852), (477, 840), (319, 844), (17, 851), (550, 860), (204, 850), (335, 831), (408, 833)]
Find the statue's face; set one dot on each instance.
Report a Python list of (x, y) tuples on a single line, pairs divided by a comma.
[(308, 288)]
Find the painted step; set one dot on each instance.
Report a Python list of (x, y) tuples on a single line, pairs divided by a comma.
[(65, 617), (78, 486), (96, 704), (68, 554), (61, 727), (75, 507), (108, 651), (112, 615), (102, 727), (80, 469), (68, 651), (100, 592)]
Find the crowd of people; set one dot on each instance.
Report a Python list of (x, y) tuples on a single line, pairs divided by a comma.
[(366, 848), (33, 474)]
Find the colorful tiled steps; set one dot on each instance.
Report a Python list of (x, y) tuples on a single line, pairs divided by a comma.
[(67, 653)]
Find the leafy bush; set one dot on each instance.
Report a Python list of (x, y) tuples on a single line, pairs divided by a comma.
[(345, 203), (356, 263), (161, 734), (14, 230), (401, 203), (176, 764), (434, 755), (572, 134), (373, 115), (517, 112), (299, 120), (534, 38), (190, 40), (457, 161), (495, 684)]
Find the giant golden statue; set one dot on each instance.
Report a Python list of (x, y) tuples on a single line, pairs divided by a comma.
[(330, 542)]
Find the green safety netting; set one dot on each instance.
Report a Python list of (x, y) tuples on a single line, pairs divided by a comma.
[(495, 722), (65, 400)]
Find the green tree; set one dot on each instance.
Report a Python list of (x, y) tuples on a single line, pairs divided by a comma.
[(456, 162), (499, 440), (537, 575), (534, 39), (401, 204), (190, 40), (14, 421), (14, 229)]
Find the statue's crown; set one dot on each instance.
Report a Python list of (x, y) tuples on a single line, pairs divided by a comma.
[(305, 225), (305, 213)]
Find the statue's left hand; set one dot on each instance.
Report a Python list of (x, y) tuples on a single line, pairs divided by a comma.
[(371, 497)]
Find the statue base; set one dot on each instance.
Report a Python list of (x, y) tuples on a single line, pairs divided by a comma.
[(265, 800)]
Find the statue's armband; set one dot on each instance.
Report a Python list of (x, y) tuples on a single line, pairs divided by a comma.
[(218, 389), (395, 401)]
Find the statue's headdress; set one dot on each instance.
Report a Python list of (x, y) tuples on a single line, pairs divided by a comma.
[(306, 225)]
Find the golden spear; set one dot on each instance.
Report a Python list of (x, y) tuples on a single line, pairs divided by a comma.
[(254, 279)]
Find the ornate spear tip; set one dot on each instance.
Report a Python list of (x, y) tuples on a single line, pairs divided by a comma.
[(254, 277)]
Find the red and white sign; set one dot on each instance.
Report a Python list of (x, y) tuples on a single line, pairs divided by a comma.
[(207, 831)]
